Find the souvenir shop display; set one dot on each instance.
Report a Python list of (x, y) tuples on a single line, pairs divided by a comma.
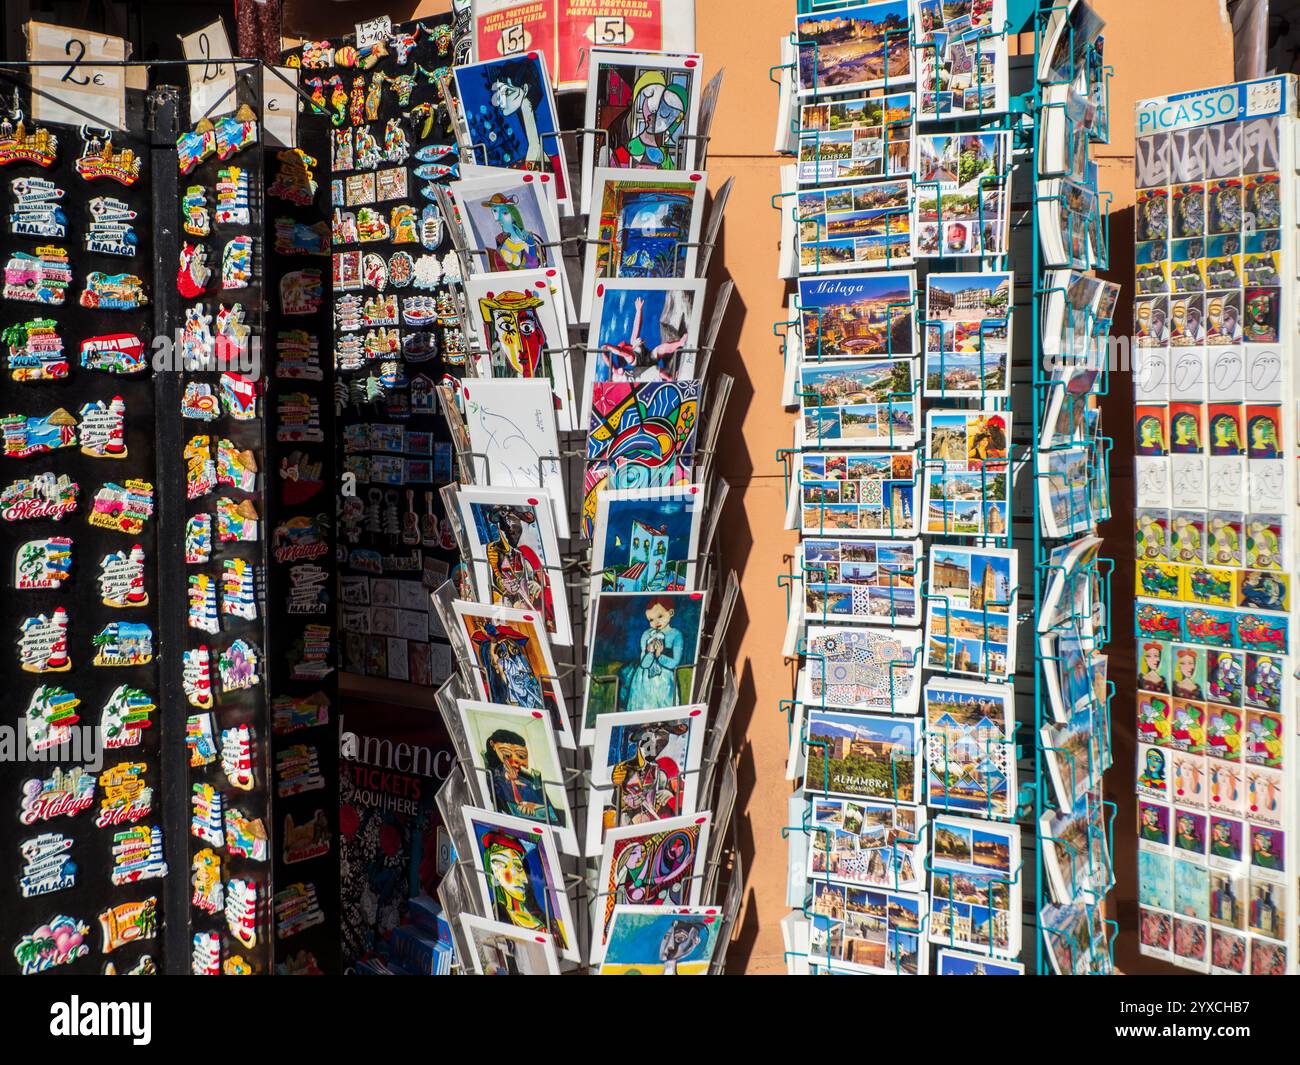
[(587, 611), (931, 519), (1214, 433)]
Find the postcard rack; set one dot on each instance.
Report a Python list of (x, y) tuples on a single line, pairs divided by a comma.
[(712, 891), (1215, 555), (866, 833)]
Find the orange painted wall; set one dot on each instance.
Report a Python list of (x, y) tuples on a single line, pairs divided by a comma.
[(1156, 47)]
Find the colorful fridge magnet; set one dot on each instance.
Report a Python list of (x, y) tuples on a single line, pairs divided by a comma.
[(297, 356), (291, 713), (231, 332), (38, 278), (371, 225), (36, 211), (47, 865), (246, 837), (294, 181), (35, 435), (300, 478), (235, 132), (202, 611), (205, 958), (121, 578), (241, 911), (298, 419), (43, 643), (205, 877), (198, 538), (199, 402), (237, 263), (200, 470), (51, 713), (123, 508), (193, 274), (341, 154), (138, 854), (238, 666), (196, 218), (306, 841), (123, 643), (98, 160), (300, 539), (64, 793), (297, 909), (126, 714), (200, 740), (237, 757), (369, 155), (35, 351), (428, 272), (236, 520), (207, 815), (238, 396), (232, 197), (103, 429), (196, 677), (239, 588), (60, 941), (18, 144), (308, 590), (297, 770), (117, 353), (310, 659), (43, 496), (299, 238), (301, 292), (128, 923), (110, 231), (194, 146), (125, 797), (43, 564), (113, 292)]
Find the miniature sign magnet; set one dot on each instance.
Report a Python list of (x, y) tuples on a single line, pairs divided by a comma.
[(103, 429), (47, 865), (196, 677), (43, 564), (121, 578), (43, 643), (123, 508), (127, 713), (51, 713)]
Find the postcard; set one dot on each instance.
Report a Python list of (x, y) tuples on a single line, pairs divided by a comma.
[(522, 325), (1072, 598), (642, 111), (642, 226), (855, 492), (864, 46), (1069, 496), (975, 885), (643, 650), (661, 864), (520, 877), (510, 658), (500, 949), (646, 539), (844, 402), (874, 581), (1070, 675), (961, 59), (863, 756), (1076, 941), (643, 330), (662, 941), (508, 117), (866, 137), (848, 227), (857, 317), (641, 435), (516, 556), (866, 844), (864, 930), (517, 768), (962, 194), (970, 626), (968, 478), (862, 668), (967, 330), (514, 438), (970, 739), (645, 767), (1076, 850), (958, 963), (1077, 753)]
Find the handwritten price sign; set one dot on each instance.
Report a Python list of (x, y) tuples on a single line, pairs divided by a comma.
[(73, 85)]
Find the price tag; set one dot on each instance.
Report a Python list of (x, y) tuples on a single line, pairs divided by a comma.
[(77, 90), (374, 30), (280, 106), (212, 72)]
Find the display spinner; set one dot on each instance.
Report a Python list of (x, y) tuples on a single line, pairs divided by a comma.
[(1215, 394), (547, 567), (925, 834), (81, 543)]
